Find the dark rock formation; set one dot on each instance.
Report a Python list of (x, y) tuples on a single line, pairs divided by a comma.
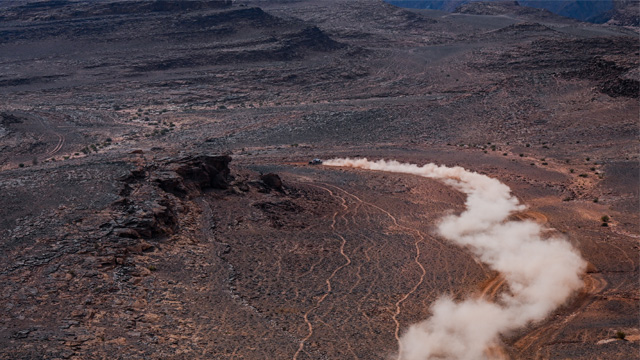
[(152, 209), (205, 171), (272, 180)]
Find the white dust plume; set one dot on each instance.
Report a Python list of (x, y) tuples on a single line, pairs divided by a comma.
[(541, 272)]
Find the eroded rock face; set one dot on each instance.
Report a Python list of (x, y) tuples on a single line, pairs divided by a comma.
[(205, 171), (272, 181), (152, 196)]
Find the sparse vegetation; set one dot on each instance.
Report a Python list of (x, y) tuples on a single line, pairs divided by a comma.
[(583, 175), (620, 335)]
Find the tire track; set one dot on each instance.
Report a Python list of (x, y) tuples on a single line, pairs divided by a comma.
[(61, 138), (333, 274), (418, 239)]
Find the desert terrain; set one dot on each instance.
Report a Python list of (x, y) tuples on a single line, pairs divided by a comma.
[(157, 201)]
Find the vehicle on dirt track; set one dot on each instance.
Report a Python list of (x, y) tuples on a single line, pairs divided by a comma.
[(315, 162)]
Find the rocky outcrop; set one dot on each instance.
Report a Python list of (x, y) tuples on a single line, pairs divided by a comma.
[(153, 196), (272, 181), (621, 87), (205, 171)]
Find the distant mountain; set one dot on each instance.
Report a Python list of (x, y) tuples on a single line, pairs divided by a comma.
[(585, 10), (596, 11)]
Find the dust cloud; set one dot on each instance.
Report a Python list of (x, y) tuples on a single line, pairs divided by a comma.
[(541, 272)]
